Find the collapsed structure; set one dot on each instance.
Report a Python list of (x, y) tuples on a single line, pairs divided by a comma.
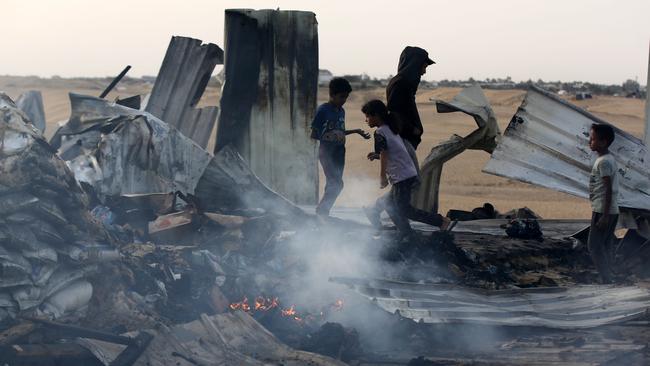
[(154, 251), (48, 239)]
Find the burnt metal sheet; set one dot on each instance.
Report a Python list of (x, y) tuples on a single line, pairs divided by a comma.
[(269, 97), (31, 102), (646, 131), (558, 229), (136, 152), (473, 102), (229, 184), (552, 228), (553, 307), (546, 144), (223, 339), (181, 81)]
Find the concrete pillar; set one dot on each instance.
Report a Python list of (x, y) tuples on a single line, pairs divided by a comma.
[(269, 97)]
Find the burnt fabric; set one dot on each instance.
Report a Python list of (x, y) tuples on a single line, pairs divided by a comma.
[(332, 159), (600, 244), (400, 93), (400, 210)]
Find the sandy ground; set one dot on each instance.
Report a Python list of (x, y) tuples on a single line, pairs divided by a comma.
[(464, 186)]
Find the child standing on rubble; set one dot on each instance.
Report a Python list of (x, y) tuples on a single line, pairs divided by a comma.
[(603, 194), (398, 169), (329, 128)]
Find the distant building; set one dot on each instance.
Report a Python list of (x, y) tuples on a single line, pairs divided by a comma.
[(324, 77)]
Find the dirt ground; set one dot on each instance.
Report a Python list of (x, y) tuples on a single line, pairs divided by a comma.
[(464, 186)]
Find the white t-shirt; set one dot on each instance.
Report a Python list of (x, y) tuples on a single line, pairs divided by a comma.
[(399, 166), (605, 166)]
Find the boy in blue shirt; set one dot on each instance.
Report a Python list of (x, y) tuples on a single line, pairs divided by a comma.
[(329, 128)]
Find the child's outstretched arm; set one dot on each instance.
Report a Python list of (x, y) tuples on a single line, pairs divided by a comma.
[(359, 131)]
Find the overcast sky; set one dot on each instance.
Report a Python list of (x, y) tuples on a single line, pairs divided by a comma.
[(593, 40)]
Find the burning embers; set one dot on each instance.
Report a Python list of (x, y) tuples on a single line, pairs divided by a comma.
[(263, 304)]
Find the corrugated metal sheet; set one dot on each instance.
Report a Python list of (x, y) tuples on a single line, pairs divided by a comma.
[(546, 143), (181, 81), (471, 101), (269, 97), (554, 307)]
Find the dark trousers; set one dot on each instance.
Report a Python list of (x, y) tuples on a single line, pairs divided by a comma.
[(383, 200), (400, 210), (600, 244), (332, 159)]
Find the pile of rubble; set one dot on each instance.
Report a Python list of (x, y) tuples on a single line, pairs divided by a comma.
[(123, 241), (49, 242)]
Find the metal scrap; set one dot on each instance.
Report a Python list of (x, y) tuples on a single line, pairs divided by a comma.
[(31, 103), (554, 307), (471, 101), (181, 81), (269, 97), (546, 144), (46, 232)]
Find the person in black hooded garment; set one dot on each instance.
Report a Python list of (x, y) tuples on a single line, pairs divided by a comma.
[(400, 93), (400, 97)]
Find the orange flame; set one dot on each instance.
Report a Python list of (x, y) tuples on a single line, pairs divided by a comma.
[(262, 303), (242, 305), (291, 311), (338, 305)]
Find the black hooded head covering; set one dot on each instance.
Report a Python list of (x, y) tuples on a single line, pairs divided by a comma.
[(410, 64), (400, 93)]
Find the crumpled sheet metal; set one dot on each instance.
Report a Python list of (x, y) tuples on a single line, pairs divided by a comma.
[(138, 153), (473, 102), (228, 184), (553, 307), (224, 339), (31, 102), (547, 144)]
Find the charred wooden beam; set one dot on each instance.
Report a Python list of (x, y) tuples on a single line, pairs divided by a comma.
[(134, 350), (16, 332), (47, 355), (76, 331)]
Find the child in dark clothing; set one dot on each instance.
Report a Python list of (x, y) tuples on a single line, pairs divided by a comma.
[(397, 168), (329, 128), (603, 194)]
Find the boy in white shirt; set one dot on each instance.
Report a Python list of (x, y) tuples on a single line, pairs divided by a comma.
[(603, 194), (398, 169)]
